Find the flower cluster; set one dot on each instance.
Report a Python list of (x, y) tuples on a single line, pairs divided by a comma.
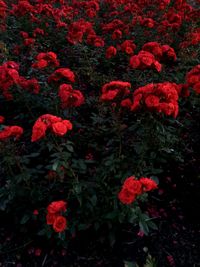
[(111, 45), (11, 131), (128, 47), (111, 51), (77, 30), (70, 97), (62, 73), (192, 39), (9, 76), (133, 188), (145, 60), (31, 85), (161, 52), (160, 97), (193, 79), (54, 215), (46, 59), (114, 89), (47, 121), (3, 9)]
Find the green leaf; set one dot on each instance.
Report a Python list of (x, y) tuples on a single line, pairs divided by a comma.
[(152, 225), (130, 264), (94, 200), (24, 219), (112, 238), (55, 165), (144, 227), (70, 148), (42, 232)]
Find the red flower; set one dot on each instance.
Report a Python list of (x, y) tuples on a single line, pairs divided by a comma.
[(110, 52), (3, 9), (2, 119), (114, 89), (144, 60), (98, 42), (62, 73), (46, 59), (168, 53), (39, 130), (77, 29), (67, 124), (42, 63), (30, 85), (46, 121), (11, 131), (50, 218), (154, 48), (126, 197), (117, 34), (38, 252), (57, 206), (128, 46), (193, 78), (35, 212), (152, 101), (160, 97), (60, 224), (130, 190), (148, 22), (70, 97), (148, 184), (133, 186), (61, 128)]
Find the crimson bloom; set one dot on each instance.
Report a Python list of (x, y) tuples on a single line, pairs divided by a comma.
[(113, 89), (11, 131), (62, 73), (47, 121), (59, 224), (46, 59), (70, 97), (145, 60), (193, 78), (133, 188), (57, 206)]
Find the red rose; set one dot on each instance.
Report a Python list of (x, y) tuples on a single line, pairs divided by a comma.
[(148, 184), (110, 52), (70, 97), (126, 197), (16, 131), (62, 73), (59, 128), (42, 63), (51, 218), (35, 212), (60, 224), (39, 130), (67, 124), (152, 101), (57, 206), (11, 131), (133, 186)]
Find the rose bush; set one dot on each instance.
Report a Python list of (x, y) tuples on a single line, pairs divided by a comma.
[(99, 91)]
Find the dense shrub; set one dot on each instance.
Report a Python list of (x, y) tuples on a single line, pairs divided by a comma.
[(96, 97)]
